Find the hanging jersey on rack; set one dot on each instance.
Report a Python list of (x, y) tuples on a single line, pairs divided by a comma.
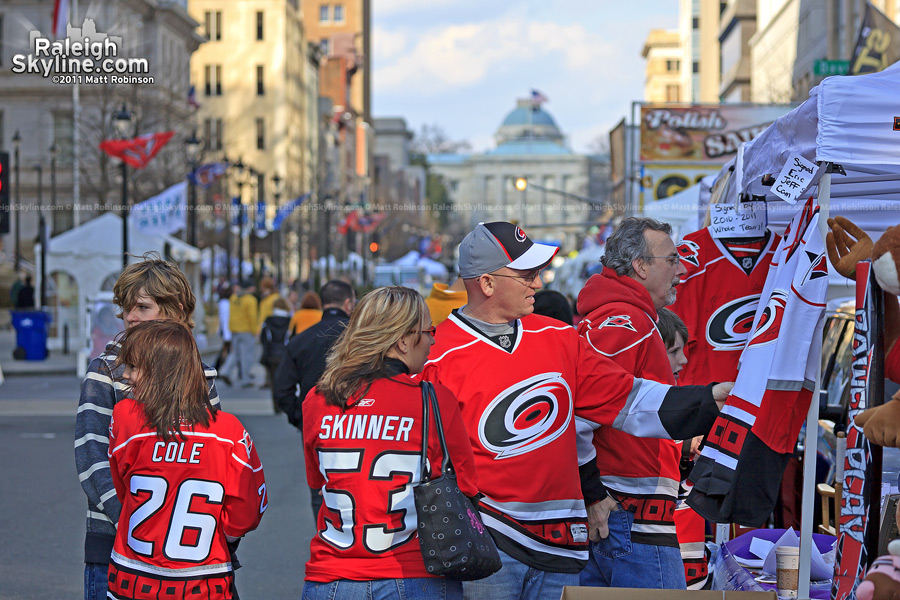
[(717, 299), (737, 475)]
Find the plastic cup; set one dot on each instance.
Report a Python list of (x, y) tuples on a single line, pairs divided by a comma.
[(787, 564)]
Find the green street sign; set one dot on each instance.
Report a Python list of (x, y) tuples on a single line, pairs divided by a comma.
[(826, 68)]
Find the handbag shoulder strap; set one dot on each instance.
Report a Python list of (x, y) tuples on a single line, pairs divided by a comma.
[(426, 400), (446, 464)]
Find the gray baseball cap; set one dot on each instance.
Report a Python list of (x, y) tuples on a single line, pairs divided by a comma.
[(492, 246)]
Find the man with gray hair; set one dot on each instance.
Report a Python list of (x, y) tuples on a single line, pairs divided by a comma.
[(620, 304), (523, 381)]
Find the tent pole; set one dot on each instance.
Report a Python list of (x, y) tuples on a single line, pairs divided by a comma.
[(812, 425)]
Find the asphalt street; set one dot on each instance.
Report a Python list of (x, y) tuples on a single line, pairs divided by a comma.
[(43, 506)]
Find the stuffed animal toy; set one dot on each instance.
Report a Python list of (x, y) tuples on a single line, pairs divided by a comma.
[(847, 244), (882, 581)]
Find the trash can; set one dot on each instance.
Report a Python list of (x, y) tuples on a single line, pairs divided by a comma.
[(31, 334)]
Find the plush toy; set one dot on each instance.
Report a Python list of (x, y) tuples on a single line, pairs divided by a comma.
[(847, 245), (882, 581)]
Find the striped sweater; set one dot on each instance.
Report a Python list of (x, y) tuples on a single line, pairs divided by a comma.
[(101, 389)]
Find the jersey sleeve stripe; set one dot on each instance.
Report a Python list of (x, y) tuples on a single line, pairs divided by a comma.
[(554, 327), (584, 440), (640, 415), (256, 470)]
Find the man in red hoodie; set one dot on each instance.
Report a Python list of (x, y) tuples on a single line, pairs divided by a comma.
[(641, 271)]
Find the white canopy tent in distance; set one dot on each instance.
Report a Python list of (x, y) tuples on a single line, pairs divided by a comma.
[(849, 128)]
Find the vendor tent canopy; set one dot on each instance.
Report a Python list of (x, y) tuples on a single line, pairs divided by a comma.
[(853, 122)]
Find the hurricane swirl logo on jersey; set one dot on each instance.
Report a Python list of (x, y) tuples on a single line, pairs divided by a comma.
[(729, 327), (689, 251), (526, 416), (623, 321), (770, 322)]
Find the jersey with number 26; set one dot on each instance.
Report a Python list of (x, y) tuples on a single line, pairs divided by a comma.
[(180, 499)]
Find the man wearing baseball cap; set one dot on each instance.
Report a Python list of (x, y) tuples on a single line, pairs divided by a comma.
[(523, 382)]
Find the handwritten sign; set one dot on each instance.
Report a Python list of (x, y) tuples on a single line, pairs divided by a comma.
[(794, 178), (745, 221)]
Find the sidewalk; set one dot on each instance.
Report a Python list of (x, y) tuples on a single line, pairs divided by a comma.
[(58, 363)]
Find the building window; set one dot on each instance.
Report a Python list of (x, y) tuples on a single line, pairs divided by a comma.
[(695, 23), (323, 13), (325, 46), (259, 25), (260, 87), (338, 13), (696, 67), (213, 24), (672, 66), (260, 133), (213, 133), (1, 39), (212, 75), (673, 93)]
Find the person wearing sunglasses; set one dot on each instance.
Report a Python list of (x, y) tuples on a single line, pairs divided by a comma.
[(523, 382), (362, 434)]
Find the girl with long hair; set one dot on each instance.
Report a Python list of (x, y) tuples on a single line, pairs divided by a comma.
[(187, 475), (363, 434)]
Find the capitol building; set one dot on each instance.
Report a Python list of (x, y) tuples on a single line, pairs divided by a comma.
[(554, 202)]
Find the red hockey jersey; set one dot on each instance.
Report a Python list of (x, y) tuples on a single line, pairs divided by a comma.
[(520, 398), (717, 299), (180, 501), (366, 460), (641, 473)]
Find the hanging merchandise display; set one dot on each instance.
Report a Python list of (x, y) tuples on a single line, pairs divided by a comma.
[(739, 470), (859, 525), (717, 300)]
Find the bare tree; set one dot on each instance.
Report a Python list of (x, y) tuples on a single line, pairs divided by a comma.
[(432, 139)]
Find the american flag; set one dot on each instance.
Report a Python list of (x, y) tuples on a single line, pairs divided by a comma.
[(538, 98)]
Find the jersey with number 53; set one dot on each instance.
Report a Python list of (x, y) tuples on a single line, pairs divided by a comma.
[(366, 460), (181, 500)]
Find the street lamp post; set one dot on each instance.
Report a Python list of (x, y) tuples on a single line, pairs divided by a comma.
[(17, 140), (240, 241), (122, 122), (276, 234), (192, 146), (42, 233), (53, 218)]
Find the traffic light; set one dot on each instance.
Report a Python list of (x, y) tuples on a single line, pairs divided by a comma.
[(4, 192), (374, 245)]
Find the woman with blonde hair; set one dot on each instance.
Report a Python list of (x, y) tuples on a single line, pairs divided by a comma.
[(363, 437), (186, 474)]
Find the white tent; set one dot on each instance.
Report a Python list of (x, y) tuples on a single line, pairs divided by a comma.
[(848, 121), (91, 255)]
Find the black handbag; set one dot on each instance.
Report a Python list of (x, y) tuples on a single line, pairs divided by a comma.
[(454, 541)]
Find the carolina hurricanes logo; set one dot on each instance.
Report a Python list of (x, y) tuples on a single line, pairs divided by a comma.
[(689, 251), (769, 325), (817, 269), (526, 416), (246, 442), (520, 235), (623, 321), (729, 327)]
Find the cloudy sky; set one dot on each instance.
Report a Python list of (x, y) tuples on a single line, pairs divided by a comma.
[(461, 64)]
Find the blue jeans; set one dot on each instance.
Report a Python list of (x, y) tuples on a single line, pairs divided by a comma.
[(96, 581), (424, 588), (518, 581), (618, 562)]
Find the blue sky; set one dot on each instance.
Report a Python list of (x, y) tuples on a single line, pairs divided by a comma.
[(461, 64)]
